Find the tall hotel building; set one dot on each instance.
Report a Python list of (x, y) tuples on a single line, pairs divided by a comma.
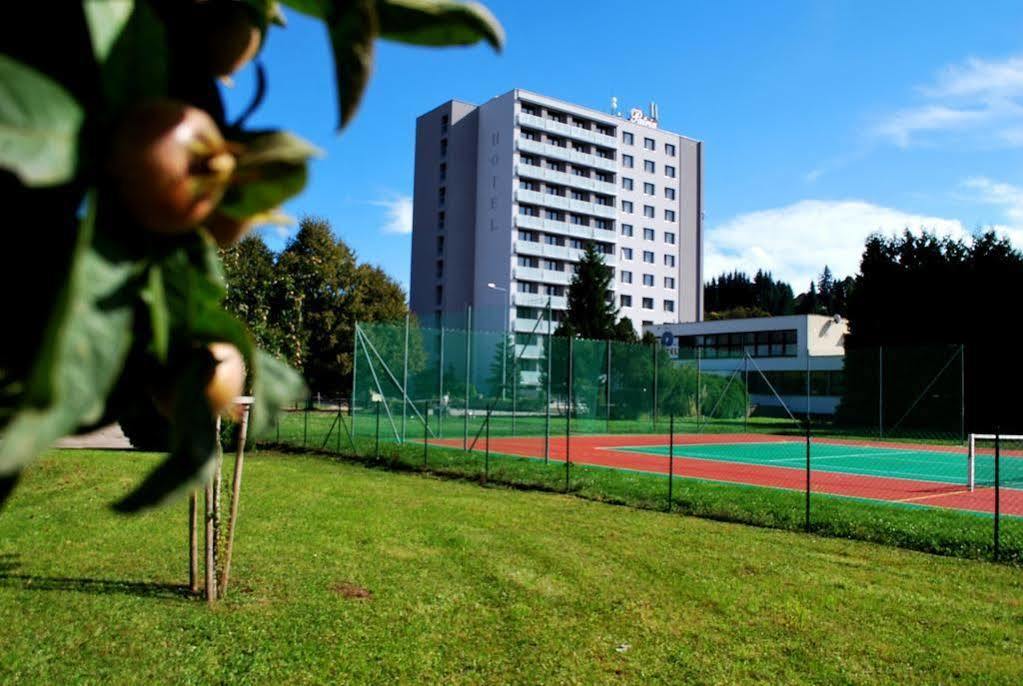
[(508, 194)]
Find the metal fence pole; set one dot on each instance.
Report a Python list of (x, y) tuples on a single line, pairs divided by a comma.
[(486, 454), (808, 440), (426, 432), (404, 382), (355, 387), (699, 386), (653, 348), (468, 374), (305, 423), (809, 373), (339, 420), (547, 412), (607, 421), (440, 386), (568, 420), (745, 371), (880, 391), (671, 459), (962, 392), (376, 449), (998, 493), (515, 387)]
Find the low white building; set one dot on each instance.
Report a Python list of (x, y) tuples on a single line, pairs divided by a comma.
[(800, 357)]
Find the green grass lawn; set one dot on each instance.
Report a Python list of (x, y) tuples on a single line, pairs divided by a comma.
[(471, 585)]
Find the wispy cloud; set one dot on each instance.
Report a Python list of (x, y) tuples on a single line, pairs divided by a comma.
[(794, 242), (398, 214), (1004, 196), (979, 98)]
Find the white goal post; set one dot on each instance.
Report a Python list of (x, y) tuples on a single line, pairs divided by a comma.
[(971, 478)]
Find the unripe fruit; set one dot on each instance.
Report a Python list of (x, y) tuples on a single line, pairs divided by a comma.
[(172, 165), (228, 379)]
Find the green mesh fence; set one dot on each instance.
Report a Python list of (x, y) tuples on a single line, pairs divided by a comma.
[(874, 448)]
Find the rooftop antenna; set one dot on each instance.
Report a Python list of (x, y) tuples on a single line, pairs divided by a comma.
[(614, 105), (653, 110)]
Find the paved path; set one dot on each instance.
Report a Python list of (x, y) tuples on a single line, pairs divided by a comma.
[(109, 437)]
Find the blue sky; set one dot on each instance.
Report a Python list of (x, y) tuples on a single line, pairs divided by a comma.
[(823, 121)]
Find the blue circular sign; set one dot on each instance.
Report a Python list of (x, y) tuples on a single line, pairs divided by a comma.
[(667, 339)]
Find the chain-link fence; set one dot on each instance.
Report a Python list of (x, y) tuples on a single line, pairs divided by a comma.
[(876, 448)]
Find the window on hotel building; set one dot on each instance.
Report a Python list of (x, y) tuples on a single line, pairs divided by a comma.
[(627, 206), (627, 138), (669, 305), (648, 234), (649, 189), (669, 193), (669, 149), (626, 229), (648, 211), (649, 144), (669, 282), (669, 260), (626, 253), (669, 171), (669, 215), (648, 256), (626, 183), (627, 161), (669, 237), (625, 300), (648, 303), (648, 280), (649, 166)]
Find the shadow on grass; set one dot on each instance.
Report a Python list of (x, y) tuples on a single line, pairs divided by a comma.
[(9, 563)]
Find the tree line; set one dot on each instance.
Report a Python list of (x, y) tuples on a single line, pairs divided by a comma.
[(734, 295), (303, 302)]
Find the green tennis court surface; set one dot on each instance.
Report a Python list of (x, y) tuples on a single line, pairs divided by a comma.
[(918, 464)]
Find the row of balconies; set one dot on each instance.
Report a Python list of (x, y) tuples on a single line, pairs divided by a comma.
[(565, 154), (563, 203), (567, 130), (532, 171), (525, 221), (558, 302), (557, 252), (562, 278)]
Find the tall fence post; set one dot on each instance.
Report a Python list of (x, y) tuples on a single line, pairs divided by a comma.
[(404, 382), (699, 386), (998, 493), (440, 386), (962, 392), (808, 440), (376, 448), (486, 454), (568, 420), (745, 381), (653, 348), (671, 459), (880, 391), (607, 385), (468, 374), (426, 433), (549, 346), (355, 379), (305, 423), (339, 420)]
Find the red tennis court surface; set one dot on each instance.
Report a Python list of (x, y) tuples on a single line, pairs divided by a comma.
[(626, 452)]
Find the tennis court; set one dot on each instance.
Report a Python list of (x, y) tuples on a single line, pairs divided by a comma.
[(912, 474)]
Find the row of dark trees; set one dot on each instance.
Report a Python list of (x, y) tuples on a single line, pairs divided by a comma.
[(302, 303), (923, 292), (735, 295)]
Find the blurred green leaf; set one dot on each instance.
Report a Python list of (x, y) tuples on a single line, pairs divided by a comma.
[(353, 28), (106, 20), (192, 456), (274, 385), (314, 8), (438, 22), (136, 64), (264, 147), (39, 124), (90, 349), (155, 298)]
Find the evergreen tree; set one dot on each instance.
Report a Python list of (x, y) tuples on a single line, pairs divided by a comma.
[(591, 309)]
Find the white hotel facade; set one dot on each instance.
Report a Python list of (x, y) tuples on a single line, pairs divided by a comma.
[(507, 195)]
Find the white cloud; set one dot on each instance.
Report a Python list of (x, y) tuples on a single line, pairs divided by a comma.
[(977, 98), (398, 214), (796, 241), (1006, 197)]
